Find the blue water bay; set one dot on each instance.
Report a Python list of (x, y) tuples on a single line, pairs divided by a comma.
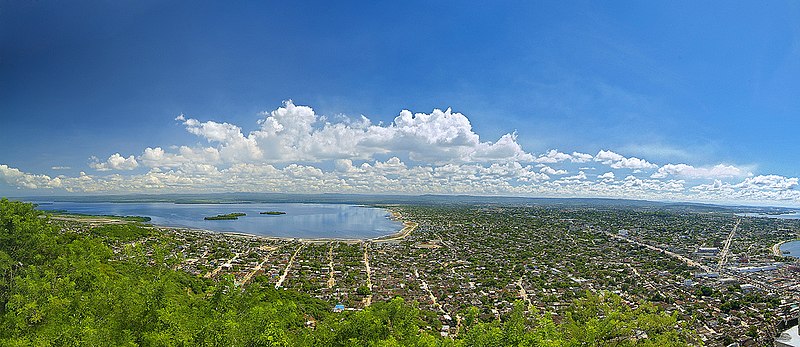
[(791, 248), (300, 221)]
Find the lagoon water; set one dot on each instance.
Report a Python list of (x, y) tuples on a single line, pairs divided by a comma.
[(300, 221), (793, 247)]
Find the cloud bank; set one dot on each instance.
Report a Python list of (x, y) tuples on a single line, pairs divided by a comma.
[(296, 134), (293, 149)]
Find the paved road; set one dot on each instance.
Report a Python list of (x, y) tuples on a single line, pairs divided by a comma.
[(723, 256), (368, 298), (424, 286), (331, 281), (522, 293), (218, 269), (258, 268), (741, 277), (288, 266), (657, 249)]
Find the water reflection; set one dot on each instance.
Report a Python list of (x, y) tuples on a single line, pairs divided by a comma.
[(300, 220)]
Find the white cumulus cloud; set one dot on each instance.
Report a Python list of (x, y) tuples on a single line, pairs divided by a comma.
[(762, 188), (554, 156), (18, 178), (115, 162), (294, 133), (292, 149), (551, 171), (617, 161), (578, 157), (608, 176), (688, 171)]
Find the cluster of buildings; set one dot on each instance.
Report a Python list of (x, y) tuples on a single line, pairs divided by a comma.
[(728, 287)]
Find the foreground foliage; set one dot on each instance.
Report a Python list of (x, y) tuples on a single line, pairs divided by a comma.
[(66, 289)]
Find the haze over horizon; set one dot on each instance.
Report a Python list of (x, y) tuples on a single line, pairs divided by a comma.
[(677, 101)]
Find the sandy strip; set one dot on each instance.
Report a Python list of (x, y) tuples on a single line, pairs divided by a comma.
[(776, 248)]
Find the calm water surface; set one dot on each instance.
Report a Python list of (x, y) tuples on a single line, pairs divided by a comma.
[(793, 247), (300, 220)]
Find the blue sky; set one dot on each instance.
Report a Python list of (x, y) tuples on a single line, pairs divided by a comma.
[(703, 94)]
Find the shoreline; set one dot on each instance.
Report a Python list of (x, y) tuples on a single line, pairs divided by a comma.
[(406, 230), (408, 227), (776, 248)]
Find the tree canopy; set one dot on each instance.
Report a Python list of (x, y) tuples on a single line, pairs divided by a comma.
[(60, 288)]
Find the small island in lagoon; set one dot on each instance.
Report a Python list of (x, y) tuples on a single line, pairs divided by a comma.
[(273, 212), (229, 216)]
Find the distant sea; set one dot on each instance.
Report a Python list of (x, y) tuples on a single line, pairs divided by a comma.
[(300, 221), (793, 215)]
